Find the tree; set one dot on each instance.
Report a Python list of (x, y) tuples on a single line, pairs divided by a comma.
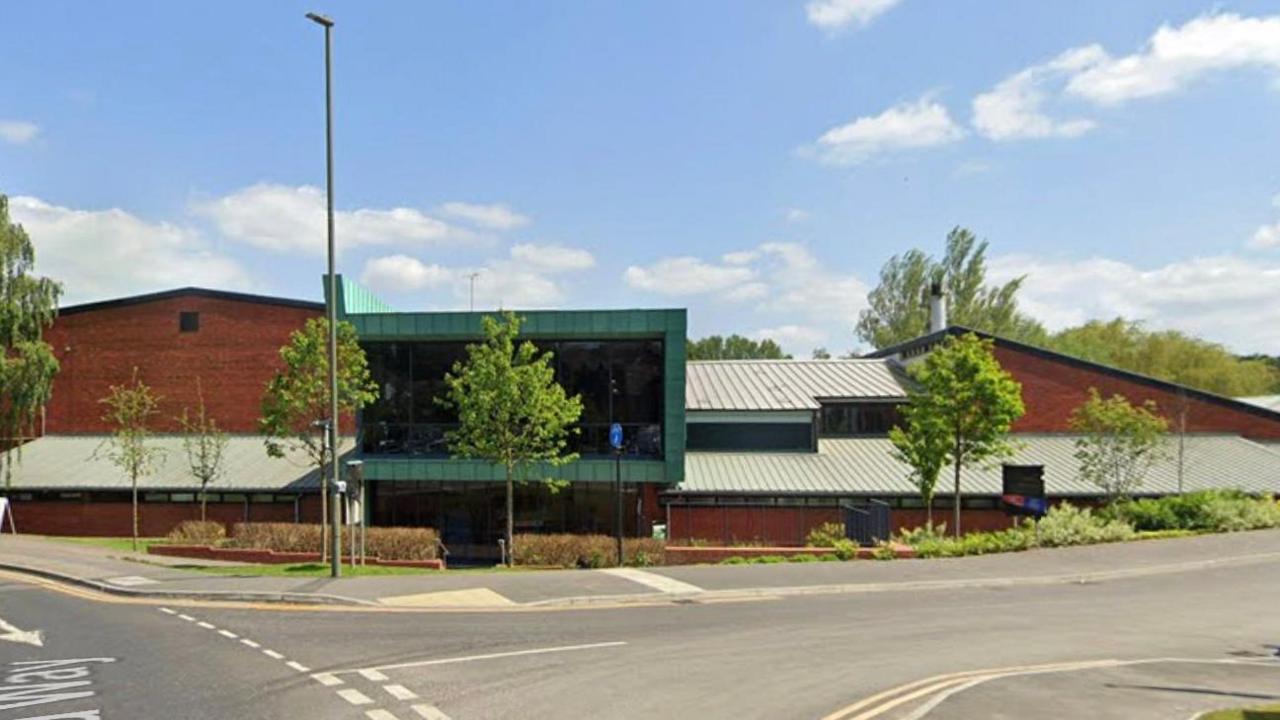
[(734, 347), (821, 353), (205, 446), (899, 306), (511, 411), (1121, 442), (1168, 355), (28, 305), (295, 406), (922, 442), (129, 409), (962, 393)]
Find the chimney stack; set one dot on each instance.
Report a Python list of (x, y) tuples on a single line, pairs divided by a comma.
[(937, 308)]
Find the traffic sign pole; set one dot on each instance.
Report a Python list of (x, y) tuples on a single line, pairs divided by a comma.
[(615, 439)]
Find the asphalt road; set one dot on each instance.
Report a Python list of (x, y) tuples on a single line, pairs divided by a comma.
[(796, 657)]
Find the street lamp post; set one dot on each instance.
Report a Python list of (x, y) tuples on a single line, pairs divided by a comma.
[(331, 304)]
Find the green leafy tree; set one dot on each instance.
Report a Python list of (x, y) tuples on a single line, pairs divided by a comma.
[(295, 406), (898, 308), (28, 305), (1120, 442), (734, 347), (511, 411), (205, 446), (922, 442), (821, 353), (1168, 355), (962, 393), (129, 408)]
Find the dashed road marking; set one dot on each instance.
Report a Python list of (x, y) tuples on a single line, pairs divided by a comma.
[(379, 714), (373, 675), (250, 643), (355, 697), (188, 618), (272, 654), (492, 656), (298, 666), (400, 692), (228, 634), (205, 625), (326, 679), (429, 712), (168, 611)]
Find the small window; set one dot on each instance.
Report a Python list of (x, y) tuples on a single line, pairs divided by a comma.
[(182, 497), (155, 497), (188, 321), (260, 498)]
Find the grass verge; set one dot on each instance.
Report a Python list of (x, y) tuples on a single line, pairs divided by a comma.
[(117, 544), (304, 570), (1260, 712)]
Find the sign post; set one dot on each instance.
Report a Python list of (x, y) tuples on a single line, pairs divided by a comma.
[(615, 441), (1023, 492)]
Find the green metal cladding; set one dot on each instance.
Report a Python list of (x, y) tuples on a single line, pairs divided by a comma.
[(373, 320)]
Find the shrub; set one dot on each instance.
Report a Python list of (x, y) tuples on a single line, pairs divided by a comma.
[(197, 532), (386, 543), (825, 535), (769, 559), (735, 560), (1213, 510), (568, 550), (934, 544), (846, 549), (803, 558), (885, 551), (1066, 524)]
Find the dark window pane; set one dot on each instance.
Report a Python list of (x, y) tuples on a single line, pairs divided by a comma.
[(188, 321)]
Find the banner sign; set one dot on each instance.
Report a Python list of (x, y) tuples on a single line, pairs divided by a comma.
[(1023, 492)]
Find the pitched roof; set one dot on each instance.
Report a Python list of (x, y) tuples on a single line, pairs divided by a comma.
[(866, 466), (189, 292), (924, 343), (788, 384), (74, 462)]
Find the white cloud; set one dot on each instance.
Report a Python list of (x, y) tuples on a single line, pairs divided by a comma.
[(1265, 237), (401, 273), (18, 132), (493, 217), (686, 276), (923, 123), (1013, 109), (1176, 56), (839, 14), (740, 257), (796, 215), (1223, 298), (791, 335), (552, 258), (292, 219), (100, 254)]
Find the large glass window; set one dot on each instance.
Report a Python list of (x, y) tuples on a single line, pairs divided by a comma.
[(851, 419), (618, 381)]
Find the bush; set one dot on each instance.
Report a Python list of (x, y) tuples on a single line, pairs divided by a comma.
[(1066, 524), (1211, 510), (385, 543), (885, 551), (197, 532), (568, 550), (934, 544), (825, 535), (735, 560), (846, 549), (803, 558)]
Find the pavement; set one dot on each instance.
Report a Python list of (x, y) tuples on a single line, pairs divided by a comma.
[(1196, 630), (162, 577)]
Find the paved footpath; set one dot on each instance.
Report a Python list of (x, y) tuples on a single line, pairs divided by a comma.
[(161, 577)]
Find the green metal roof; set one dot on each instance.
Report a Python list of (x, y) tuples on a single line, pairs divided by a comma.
[(866, 466), (356, 299)]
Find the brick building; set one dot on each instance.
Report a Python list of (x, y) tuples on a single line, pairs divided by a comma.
[(231, 342)]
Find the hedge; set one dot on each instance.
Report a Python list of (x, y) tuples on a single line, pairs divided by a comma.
[(585, 551), (386, 543)]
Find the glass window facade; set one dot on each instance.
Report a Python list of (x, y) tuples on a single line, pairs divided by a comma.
[(618, 381), (852, 419)]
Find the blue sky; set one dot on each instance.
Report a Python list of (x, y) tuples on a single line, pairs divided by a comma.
[(756, 162)]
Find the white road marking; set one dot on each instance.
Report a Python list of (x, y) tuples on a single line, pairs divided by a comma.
[(491, 656), (355, 697), (379, 714), (662, 583), (131, 580), (326, 679), (228, 634), (206, 626), (373, 675), (272, 654), (167, 611), (13, 634), (188, 618), (298, 666), (400, 692), (250, 643), (430, 712)]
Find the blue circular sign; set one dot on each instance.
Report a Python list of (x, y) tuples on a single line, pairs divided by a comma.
[(615, 436)]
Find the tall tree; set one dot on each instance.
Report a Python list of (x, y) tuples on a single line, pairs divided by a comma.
[(130, 408), (962, 393), (734, 347), (28, 305), (1120, 443), (922, 441), (511, 411), (898, 308), (205, 446), (295, 406), (1168, 355)]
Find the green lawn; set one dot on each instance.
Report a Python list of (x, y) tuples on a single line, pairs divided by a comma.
[(305, 570), (111, 543), (1260, 712)]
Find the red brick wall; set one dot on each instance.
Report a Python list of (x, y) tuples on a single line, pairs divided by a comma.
[(235, 351), (1052, 390), (113, 519)]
